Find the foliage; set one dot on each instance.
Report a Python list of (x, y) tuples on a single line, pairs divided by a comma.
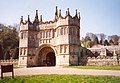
[(8, 38), (87, 44), (95, 40), (111, 42), (61, 79), (101, 42), (96, 54), (118, 52), (92, 39), (106, 43), (101, 36), (91, 35), (7, 55), (1, 53), (115, 39), (87, 38), (96, 67), (15, 53)]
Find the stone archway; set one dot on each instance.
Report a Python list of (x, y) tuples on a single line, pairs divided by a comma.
[(46, 57), (51, 59)]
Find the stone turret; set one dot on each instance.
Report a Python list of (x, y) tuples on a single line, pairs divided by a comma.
[(28, 39)]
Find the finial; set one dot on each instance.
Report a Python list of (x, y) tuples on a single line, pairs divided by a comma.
[(36, 14), (21, 19), (76, 12), (36, 20), (68, 13), (40, 18), (56, 12), (28, 18), (78, 15), (59, 13)]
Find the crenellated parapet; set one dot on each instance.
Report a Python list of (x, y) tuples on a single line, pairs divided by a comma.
[(27, 25), (67, 19)]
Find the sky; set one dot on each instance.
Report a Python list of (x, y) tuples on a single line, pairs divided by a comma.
[(97, 16)]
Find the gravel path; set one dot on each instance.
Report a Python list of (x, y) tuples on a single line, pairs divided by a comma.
[(58, 70)]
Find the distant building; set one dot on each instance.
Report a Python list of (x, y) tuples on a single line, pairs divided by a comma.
[(105, 50), (50, 43)]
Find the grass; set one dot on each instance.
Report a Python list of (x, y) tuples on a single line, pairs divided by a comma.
[(61, 79), (96, 67)]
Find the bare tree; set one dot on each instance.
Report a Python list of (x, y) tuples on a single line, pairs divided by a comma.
[(101, 36), (115, 39), (91, 35)]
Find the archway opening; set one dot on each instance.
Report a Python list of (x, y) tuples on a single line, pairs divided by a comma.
[(50, 59), (46, 57)]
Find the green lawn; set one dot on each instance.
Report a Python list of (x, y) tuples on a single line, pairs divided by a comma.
[(96, 67), (61, 79)]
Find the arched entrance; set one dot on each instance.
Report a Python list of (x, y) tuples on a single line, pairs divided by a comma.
[(50, 59), (46, 57)]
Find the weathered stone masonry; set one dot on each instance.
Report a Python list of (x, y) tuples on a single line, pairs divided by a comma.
[(51, 43)]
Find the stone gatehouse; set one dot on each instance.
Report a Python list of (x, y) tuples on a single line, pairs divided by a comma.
[(50, 43)]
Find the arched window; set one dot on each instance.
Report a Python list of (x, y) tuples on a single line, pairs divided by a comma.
[(24, 51), (46, 34), (62, 31), (43, 33), (49, 34), (61, 49), (65, 31)]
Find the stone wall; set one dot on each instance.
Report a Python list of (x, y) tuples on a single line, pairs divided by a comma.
[(11, 61), (103, 61)]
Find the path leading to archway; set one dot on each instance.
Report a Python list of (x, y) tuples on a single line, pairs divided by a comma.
[(58, 70)]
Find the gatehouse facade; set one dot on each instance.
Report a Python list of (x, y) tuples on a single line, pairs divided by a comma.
[(50, 43)]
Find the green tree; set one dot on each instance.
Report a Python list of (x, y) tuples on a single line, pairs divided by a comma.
[(106, 43), (15, 53), (95, 40), (1, 53), (8, 38), (111, 42), (115, 39), (101, 42), (7, 55), (118, 52), (87, 42)]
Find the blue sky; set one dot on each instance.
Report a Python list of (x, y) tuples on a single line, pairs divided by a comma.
[(97, 16)]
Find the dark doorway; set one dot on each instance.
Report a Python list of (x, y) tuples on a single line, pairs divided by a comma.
[(50, 59)]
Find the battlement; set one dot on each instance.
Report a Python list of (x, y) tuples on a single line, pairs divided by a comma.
[(58, 20), (7, 62), (103, 61)]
